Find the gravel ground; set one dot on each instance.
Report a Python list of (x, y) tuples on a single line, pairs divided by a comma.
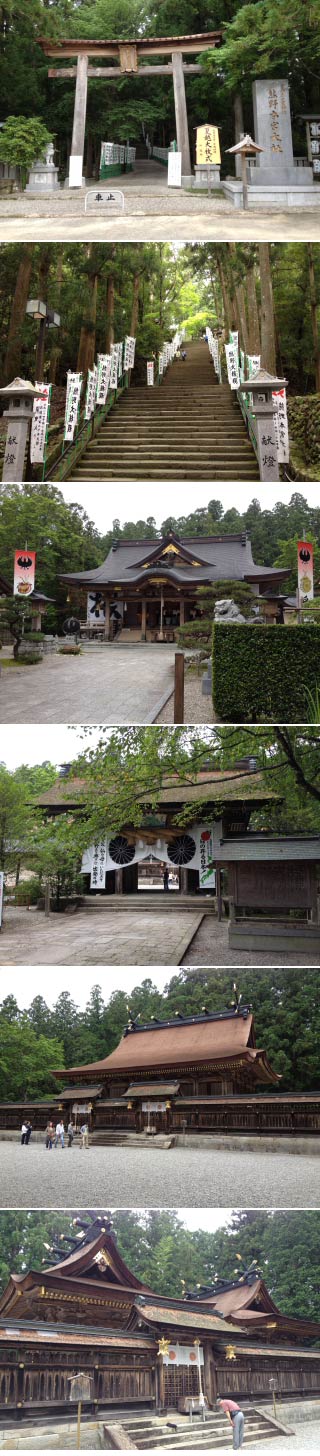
[(210, 948), (123, 1177), (197, 708)]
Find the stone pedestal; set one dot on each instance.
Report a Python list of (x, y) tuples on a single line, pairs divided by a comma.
[(43, 177), (275, 166), (203, 172), (260, 197)]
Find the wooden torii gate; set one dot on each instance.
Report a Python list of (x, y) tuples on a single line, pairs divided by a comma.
[(126, 56)]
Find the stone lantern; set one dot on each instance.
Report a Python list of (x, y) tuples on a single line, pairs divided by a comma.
[(19, 397), (261, 385)]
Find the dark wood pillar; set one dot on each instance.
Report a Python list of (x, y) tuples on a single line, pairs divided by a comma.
[(119, 882), (184, 880), (210, 1379), (182, 611), (107, 620), (143, 619)]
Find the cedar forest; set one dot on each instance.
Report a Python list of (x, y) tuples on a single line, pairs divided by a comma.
[(270, 293)]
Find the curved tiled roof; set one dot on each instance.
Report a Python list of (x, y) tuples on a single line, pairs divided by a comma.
[(221, 558)]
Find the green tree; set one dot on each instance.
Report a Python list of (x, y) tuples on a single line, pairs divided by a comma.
[(22, 141)]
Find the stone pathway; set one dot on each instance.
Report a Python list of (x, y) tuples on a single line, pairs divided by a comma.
[(96, 938), (136, 937), (104, 685)]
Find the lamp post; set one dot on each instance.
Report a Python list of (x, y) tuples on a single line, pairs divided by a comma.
[(47, 317), (19, 396), (246, 148)]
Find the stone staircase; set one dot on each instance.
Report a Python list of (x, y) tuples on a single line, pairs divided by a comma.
[(179, 1434), (152, 900), (120, 1138), (188, 428)]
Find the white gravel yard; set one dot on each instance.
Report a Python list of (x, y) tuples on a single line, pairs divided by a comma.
[(180, 1177)]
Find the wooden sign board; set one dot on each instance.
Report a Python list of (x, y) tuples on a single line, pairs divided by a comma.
[(287, 885), (208, 146)]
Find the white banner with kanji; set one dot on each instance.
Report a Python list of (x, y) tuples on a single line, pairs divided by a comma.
[(150, 372), (232, 366), (74, 385), (40, 421), (103, 377), (281, 424)]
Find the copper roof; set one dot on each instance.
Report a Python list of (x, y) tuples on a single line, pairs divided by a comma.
[(198, 1039), (189, 1319)]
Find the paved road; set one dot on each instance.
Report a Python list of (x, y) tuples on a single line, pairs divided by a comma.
[(127, 1177), (104, 685), (96, 938)]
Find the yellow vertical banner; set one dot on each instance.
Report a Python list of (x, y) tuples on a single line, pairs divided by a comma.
[(208, 145)]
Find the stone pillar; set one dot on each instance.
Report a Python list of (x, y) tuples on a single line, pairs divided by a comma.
[(107, 620), (266, 440), (143, 619), (181, 115), (181, 611), (79, 123), (19, 416), (275, 165)]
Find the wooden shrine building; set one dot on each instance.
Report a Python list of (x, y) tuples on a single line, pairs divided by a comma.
[(86, 1310), (129, 58), (180, 1077), (145, 590)]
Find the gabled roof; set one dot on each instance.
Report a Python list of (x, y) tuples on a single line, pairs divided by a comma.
[(96, 1261), (193, 1040), (208, 786)]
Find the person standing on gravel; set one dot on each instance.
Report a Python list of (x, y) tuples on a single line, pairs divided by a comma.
[(235, 1415)]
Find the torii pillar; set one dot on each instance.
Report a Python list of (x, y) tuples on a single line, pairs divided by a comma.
[(181, 115), (79, 123)]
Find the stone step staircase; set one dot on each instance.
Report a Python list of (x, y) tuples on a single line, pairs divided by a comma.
[(120, 1138), (159, 900), (188, 428), (179, 1434)]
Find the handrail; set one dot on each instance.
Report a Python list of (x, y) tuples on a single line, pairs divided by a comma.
[(248, 416), (86, 432)]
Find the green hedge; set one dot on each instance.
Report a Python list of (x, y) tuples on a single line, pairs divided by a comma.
[(262, 673)]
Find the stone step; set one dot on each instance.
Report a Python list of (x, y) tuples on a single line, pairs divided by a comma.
[(212, 1433), (160, 900), (90, 472)]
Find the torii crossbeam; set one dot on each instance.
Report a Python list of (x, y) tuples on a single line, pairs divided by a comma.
[(126, 56)]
